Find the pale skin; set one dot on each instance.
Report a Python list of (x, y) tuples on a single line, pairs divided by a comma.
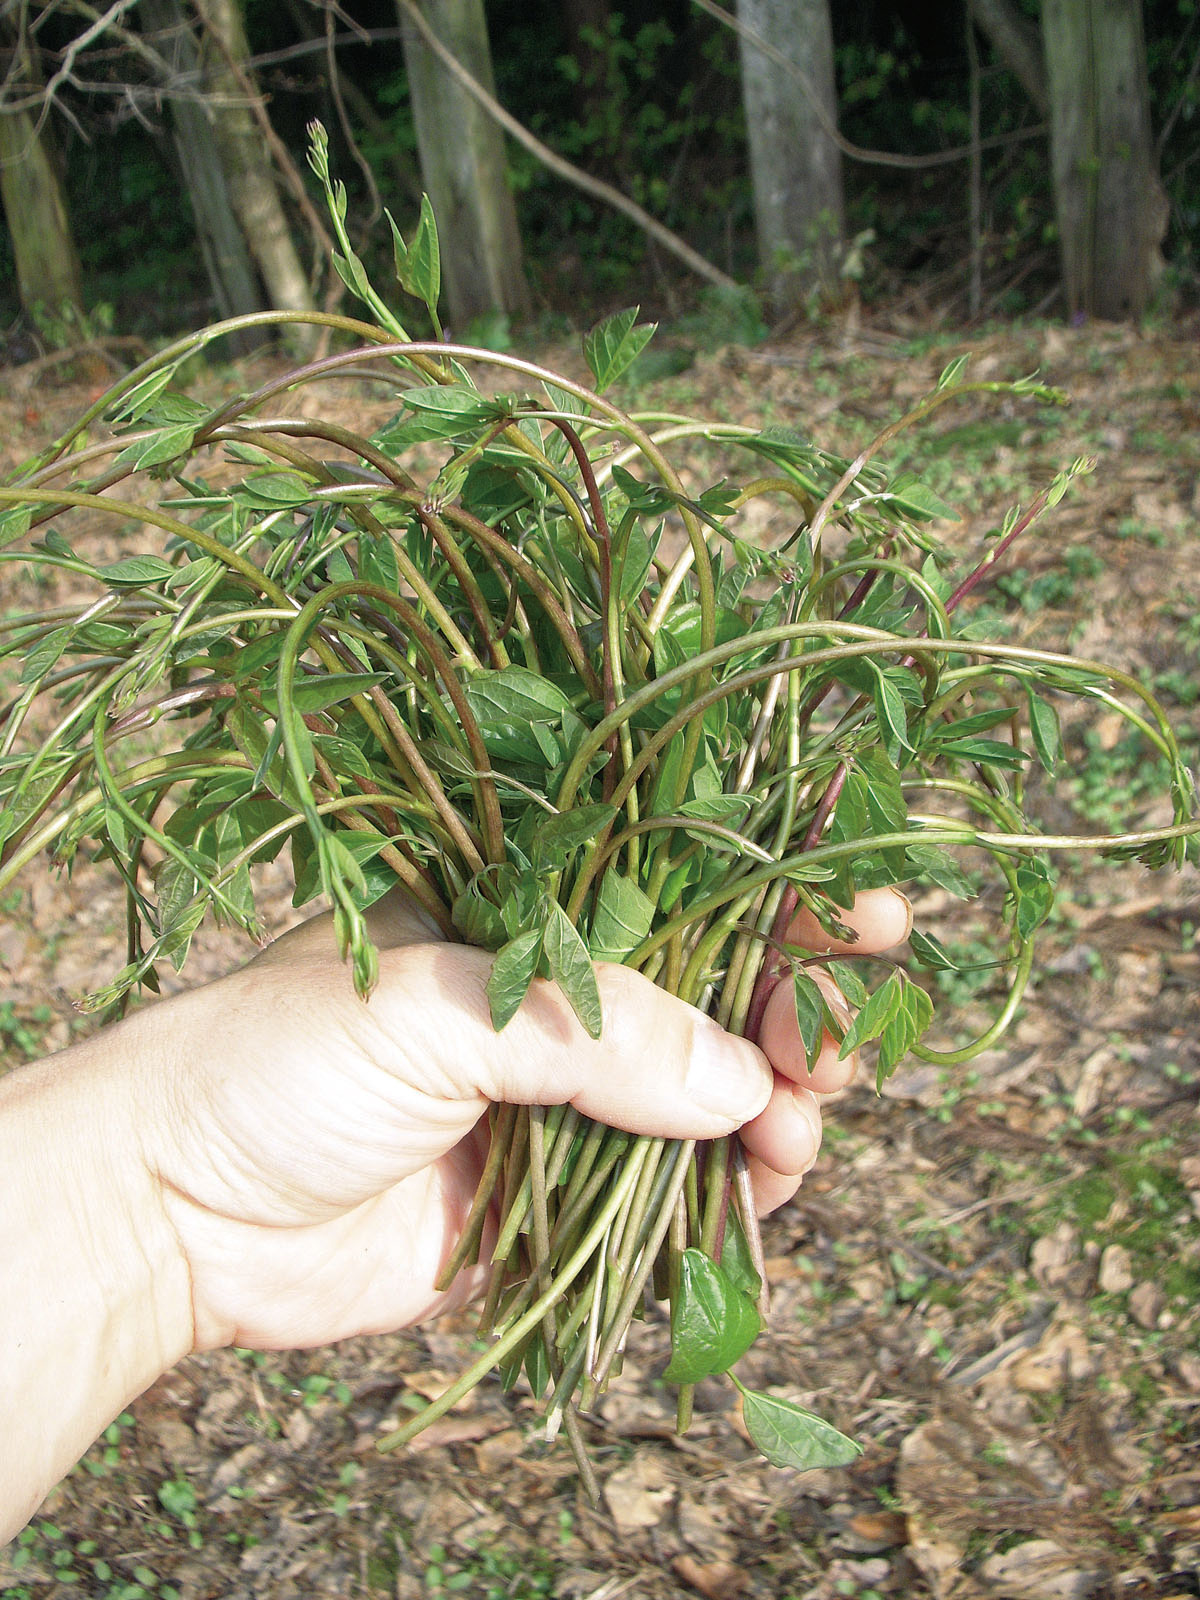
[(271, 1163)]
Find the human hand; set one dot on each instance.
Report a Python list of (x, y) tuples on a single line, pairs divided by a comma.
[(318, 1155)]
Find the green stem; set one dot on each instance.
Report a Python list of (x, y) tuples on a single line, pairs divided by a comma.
[(524, 1325)]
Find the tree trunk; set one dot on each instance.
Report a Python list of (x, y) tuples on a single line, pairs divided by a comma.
[(463, 166), (1112, 211), (795, 166), (48, 273), (35, 207), (246, 159), (227, 261)]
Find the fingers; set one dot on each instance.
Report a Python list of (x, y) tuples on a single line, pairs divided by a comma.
[(880, 918), (659, 1067), (783, 1141), (779, 1036)]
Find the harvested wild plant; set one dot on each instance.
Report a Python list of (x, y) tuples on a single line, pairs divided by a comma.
[(512, 653)]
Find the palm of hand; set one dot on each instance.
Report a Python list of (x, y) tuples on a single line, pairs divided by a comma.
[(333, 1168)]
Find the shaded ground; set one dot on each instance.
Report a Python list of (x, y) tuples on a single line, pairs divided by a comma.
[(992, 1279)]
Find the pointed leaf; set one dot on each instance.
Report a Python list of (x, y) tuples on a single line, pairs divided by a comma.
[(614, 345), (1034, 894), (810, 1014), (422, 273), (14, 523), (571, 968), (556, 837), (622, 918), (875, 1015), (1047, 735), (135, 571), (512, 972), (789, 1436), (713, 1323)]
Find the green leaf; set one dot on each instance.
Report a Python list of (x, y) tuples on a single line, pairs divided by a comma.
[(165, 445), (136, 571), (557, 837), (623, 917), (789, 1436), (1034, 895), (399, 250), (571, 968), (909, 1021), (422, 273), (986, 752), (810, 1014), (713, 1323), (138, 400), (892, 714), (477, 919), (930, 952), (737, 1262), (512, 972), (952, 373), (939, 866), (506, 703), (316, 691), (44, 655), (456, 402), (272, 491), (874, 1017), (919, 502), (845, 975), (352, 273), (615, 344), (1047, 735), (14, 524), (731, 809)]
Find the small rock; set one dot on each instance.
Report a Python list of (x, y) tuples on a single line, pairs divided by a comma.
[(497, 1454), (1056, 1261), (640, 1494), (178, 1443), (298, 1428), (1147, 1303), (1116, 1270), (234, 1467), (703, 1533), (1039, 1569), (1060, 1355)]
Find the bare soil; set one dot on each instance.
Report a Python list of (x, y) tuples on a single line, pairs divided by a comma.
[(992, 1277)]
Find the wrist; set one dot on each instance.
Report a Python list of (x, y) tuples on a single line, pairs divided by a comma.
[(97, 1290)]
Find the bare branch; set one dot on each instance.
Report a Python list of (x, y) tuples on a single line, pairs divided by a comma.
[(855, 152), (596, 187)]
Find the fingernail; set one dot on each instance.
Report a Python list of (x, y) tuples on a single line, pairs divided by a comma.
[(726, 1076), (908, 914), (804, 1103)]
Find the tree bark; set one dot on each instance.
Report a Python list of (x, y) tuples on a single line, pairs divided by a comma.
[(795, 166), (35, 206), (48, 274), (246, 160), (1111, 207), (463, 166), (227, 260)]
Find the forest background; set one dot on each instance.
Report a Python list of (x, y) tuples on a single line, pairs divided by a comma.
[(993, 1279), (753, 168)]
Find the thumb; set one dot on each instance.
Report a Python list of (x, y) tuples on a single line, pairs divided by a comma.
[(659, 1067)]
